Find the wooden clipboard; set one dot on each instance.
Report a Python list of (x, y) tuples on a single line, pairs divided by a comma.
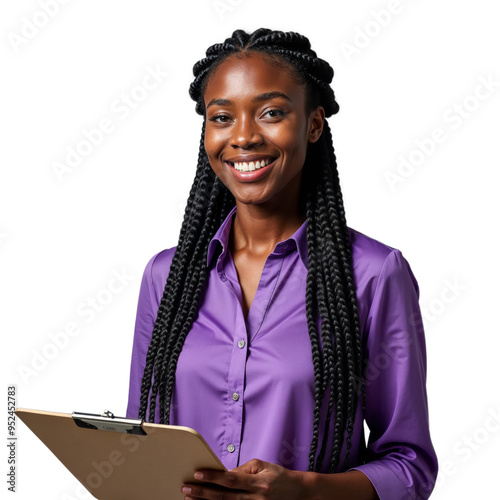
[(123, 459)]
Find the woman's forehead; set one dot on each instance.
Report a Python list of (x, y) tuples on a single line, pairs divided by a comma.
[(249, 73)]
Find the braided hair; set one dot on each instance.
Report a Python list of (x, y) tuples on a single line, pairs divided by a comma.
[(330, 292)]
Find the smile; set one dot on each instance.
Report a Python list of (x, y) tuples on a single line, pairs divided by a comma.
[(250, 166)]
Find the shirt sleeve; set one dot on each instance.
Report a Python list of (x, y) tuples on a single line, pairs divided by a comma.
[(147, 310), (401, 462)]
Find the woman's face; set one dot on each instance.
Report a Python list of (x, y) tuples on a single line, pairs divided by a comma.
[(257, 131)]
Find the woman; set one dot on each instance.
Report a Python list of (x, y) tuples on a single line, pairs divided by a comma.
[(272, 328)]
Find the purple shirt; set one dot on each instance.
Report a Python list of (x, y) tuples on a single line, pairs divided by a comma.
[(248, 386)]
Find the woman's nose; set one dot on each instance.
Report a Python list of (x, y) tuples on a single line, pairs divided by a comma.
[(245, 133)]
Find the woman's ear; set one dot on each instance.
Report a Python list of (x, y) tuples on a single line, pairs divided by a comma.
[(316, 122)]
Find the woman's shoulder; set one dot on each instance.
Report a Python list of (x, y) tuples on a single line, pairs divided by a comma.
[(366, 248), (161, 261), (372, 259), (157, 269)]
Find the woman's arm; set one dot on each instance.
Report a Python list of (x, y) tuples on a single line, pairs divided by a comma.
[(345, 485), (400, 460), (260, 480), (152, 284)]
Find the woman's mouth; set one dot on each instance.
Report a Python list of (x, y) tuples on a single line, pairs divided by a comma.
[(250, 166)]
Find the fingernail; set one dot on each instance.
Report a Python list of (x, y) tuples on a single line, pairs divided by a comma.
[(199, 475), (186, 490)]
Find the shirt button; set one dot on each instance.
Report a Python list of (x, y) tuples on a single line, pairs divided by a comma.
[(231, 448), (241, 344), (236, 396)]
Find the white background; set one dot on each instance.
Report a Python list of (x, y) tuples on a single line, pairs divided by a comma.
[(398, 77)]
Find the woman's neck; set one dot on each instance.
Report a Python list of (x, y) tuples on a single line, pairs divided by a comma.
[(258, 229)]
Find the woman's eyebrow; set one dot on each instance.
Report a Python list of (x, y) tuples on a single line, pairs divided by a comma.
[(261, 97), (267, 96)]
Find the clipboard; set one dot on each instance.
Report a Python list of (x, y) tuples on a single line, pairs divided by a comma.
[(123, 459)]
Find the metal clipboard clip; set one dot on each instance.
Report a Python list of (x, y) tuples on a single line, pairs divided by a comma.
[(108, 422)]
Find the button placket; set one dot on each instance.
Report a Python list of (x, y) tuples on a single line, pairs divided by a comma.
[(235, 385)]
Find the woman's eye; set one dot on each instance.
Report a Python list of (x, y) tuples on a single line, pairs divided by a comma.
[(273, 113), (220, 118)]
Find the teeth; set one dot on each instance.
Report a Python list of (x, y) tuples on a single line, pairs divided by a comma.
[(251, 166)]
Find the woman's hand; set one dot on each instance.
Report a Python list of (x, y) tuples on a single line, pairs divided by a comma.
[(255, 480)]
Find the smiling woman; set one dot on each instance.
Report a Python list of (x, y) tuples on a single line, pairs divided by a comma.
[(262, 118), (259, 327)]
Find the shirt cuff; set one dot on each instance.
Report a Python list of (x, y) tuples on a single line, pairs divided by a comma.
[(386, 482)]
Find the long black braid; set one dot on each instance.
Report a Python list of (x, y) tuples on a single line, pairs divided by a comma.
[(330, 292)]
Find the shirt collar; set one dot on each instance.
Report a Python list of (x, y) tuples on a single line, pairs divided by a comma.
[(219, 243)]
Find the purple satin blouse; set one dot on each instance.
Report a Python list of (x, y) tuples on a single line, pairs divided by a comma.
[(247, 386)]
